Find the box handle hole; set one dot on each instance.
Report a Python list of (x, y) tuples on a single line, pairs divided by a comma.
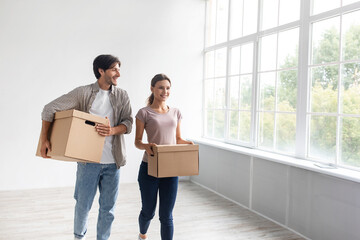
[(89, 123)]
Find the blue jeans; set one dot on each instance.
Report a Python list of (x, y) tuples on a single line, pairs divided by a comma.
[(89, 177), (149, 188)]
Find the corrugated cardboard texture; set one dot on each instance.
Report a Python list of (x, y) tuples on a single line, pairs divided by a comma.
[(174, 160), (73, 137)]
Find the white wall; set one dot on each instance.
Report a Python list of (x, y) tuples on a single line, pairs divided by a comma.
[(47, 49)]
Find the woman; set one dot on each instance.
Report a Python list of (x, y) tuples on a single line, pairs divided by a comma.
[(162, 126)]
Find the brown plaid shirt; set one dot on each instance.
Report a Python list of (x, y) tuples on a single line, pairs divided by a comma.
[(81, 99)]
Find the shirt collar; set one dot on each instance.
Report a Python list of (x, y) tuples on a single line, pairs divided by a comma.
[(96, 88)]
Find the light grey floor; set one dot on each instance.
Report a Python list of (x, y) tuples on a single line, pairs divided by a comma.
[(198, 215)]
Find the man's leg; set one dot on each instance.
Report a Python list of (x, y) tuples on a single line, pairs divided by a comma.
[(108, 188), (87, 178)]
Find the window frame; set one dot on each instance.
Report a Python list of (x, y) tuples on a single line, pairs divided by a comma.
[(303, 86)]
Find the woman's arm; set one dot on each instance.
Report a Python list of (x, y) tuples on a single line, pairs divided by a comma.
[(138, 138), (179, 140)]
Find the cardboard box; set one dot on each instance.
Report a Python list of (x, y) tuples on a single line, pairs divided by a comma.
[(174, 160), (73, 137)]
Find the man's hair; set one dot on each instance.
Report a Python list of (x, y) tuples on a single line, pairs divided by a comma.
[(104, 62)]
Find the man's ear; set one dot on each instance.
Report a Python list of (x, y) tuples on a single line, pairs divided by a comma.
[(101, 71)]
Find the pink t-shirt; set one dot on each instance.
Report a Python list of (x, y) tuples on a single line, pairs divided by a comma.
[(160, 127)]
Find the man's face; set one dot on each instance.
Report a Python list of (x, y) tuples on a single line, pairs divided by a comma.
[(111, 75)]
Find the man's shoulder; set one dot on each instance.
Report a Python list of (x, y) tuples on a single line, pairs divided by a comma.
[(120, 92)]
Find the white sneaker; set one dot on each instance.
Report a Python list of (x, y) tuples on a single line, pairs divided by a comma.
[(142, 238)]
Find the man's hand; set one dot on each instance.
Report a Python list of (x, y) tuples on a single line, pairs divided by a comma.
[(104, 130), (45, 148)]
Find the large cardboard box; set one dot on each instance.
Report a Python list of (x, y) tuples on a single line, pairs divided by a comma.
[(73, 137), (174, 160)]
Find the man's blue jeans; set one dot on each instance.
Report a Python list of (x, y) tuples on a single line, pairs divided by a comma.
[(89, 177), (149, 188)]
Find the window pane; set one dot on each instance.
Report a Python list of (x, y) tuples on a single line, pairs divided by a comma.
[(324, 93), (234, 92), (210, 22), (247, 53), (266, 130), (245, 126), (236, 17), (351, 36), (320, 6), (245, 92), (269, 14), (350, 90), (322, 143), (222, 21), (350, 142), (325, 41), (235, 60), (347, 2), (220, 62), (219, 126), (268, 48), (209, 93), (209, 122), (287, 91), (220, 93), (267, 91), (234, 124), (285, 132), (209, 64), (289, 11), (288, 49), (250, 17)]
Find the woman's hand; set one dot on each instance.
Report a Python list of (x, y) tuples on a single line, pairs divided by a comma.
[(148, 148)]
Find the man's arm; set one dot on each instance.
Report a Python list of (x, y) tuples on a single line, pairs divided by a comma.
[(44, 139), (64, 102), (125, 117), (107, 130)]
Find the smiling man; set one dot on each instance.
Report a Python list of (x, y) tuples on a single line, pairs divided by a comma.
[(104, 99)]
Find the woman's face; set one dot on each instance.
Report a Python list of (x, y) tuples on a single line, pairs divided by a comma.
[(161, 90)]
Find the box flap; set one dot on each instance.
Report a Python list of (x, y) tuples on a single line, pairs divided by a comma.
[(176, 148), (80, 114)]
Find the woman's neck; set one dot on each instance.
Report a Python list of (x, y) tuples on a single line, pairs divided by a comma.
[(159, 107)]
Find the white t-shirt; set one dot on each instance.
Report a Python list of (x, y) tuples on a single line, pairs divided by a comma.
[(102, 107)]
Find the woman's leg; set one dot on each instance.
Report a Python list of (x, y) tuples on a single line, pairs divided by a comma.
[(148, 189), (167, 193)]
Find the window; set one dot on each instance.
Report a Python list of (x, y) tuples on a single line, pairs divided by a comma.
[(334, 111), (284, 76)]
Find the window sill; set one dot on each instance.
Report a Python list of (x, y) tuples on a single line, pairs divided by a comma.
[(343, 173)]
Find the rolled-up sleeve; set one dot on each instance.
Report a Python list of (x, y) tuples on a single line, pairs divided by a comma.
[(62, 103), (126, 113)]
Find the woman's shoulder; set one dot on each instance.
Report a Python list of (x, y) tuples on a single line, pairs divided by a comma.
[(143, 110), (174, 109)]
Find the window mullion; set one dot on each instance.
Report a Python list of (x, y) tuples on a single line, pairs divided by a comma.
[(255, 91), (303, 81)]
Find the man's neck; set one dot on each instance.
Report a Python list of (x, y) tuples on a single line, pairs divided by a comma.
[(103, 85)]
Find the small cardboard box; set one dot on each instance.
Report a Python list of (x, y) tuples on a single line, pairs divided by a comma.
[(73, 137), (174, 160)]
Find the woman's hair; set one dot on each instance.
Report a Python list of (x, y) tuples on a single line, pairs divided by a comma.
[(104, 62), (156, 78)]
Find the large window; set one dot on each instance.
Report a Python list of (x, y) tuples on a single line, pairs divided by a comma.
[(284, 76)]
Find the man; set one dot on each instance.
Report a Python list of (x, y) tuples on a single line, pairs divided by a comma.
[(101, 98)]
